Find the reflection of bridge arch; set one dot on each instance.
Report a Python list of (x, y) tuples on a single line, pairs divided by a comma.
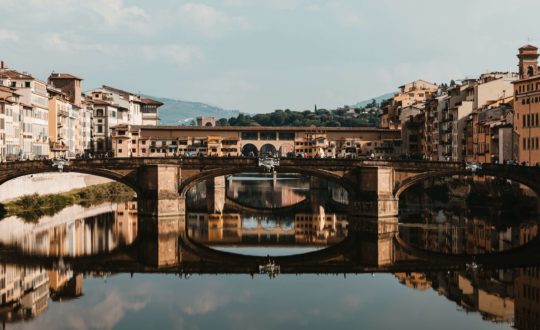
[(238, 206), (268, 149), (250, 150)]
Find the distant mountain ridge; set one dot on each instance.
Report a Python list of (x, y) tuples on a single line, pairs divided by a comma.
[(378, 99), (178, 112)]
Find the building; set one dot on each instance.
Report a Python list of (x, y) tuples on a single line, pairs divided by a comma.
[(150, 114), (169, 141), (75, 132), (490, 135), (527, 105), (10, 130), (33, 119)]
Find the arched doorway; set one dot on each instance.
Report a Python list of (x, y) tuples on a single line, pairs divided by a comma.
[(286, 149), (250, 150), (268, 150)]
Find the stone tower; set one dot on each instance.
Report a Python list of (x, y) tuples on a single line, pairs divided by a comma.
[(528, 61), (68, 84)]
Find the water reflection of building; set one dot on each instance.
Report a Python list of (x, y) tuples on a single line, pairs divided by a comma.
[(489, 293), (24, 292), (74, 231), (268, 191), (469, 233), (237, 228), (528, 298), (417, 281), (322, 228)]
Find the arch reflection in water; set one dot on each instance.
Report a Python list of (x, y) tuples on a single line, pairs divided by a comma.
[(260, 213), (468, 215), (75, 231), (262, 235)]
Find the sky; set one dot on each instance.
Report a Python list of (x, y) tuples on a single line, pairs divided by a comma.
[(257, 56)]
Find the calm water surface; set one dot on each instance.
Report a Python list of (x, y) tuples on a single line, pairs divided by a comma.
[(107, 266)]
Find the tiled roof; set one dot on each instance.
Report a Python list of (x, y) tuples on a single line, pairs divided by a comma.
[(12, 74), (151, 102), (63, 76)]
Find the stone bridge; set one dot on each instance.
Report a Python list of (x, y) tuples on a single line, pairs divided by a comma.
[(373, 186)]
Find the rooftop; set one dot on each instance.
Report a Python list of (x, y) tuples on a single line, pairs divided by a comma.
[(12, 74), (63, 76), (257, 128)]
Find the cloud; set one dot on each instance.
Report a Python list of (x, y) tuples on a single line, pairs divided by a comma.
[(65, 44), (210, 300), (6, 35), (114, 13), (209, 21), (175, 53)]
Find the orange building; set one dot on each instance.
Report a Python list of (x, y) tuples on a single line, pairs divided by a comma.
[(527, 105)]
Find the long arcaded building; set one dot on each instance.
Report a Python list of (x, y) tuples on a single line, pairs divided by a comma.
[(169, 141)]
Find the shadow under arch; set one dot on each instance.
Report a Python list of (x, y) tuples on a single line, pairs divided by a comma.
[(190, 182), (516, 177), (95, 172)]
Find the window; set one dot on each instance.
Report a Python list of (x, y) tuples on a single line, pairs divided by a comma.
[(134, 150), (100, 129), (119, 151), (250, 136), (143, 150), (119, 141)]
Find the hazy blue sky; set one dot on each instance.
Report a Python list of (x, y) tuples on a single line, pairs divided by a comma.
[(257, 56)]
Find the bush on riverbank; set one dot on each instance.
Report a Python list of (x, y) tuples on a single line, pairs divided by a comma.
[(32, 207)]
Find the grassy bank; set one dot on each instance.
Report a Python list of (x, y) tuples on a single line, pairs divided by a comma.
[(32, 207)]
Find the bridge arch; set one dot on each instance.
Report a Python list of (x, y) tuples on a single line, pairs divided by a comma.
[(128, 181), (268, 149), (191, 181), (250, 150), (523, 179)]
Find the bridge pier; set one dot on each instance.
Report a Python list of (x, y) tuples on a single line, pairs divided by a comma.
[(373, 196), (215, 194), (159, 185), (159, 245), (375, 239)]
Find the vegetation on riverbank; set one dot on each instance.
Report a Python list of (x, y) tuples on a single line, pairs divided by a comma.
[(32, 207)]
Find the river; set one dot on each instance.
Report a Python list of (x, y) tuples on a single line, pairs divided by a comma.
[(280, 252)]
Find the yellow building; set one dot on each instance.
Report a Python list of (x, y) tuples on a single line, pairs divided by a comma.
[(310, 142)]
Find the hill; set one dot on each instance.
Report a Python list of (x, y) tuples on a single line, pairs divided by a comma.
[(378, 99), (178, 112)]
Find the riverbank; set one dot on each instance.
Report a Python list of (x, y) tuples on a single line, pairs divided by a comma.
[(32, 207), (47, 183)]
